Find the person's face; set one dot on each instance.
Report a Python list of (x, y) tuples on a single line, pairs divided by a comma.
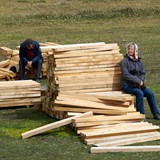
[(131, 50), (30, 47)]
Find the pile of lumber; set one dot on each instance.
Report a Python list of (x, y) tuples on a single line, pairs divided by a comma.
[(108, 133), (82, 68), (19, 93)]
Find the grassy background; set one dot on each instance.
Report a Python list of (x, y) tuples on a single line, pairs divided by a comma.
[(66, 22)]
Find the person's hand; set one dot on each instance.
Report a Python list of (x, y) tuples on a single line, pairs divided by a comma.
[(29, 64), (141, 84)]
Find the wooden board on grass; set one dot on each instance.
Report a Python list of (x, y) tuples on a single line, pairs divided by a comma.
[(125, 149), (53, 125)]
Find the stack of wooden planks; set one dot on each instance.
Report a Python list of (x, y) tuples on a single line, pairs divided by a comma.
[(19, 93), (82, 68), (108, 133)]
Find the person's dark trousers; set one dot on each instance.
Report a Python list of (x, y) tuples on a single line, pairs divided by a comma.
[(22, 70), (37, 66), (139, 98)]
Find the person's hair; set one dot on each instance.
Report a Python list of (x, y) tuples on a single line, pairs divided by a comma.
[(28, 42), (131, 44)]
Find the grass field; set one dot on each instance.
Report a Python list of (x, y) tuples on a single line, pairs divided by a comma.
[(66, 22)]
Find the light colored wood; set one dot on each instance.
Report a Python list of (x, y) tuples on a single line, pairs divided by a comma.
[(88, 83), (113, 88), (103, 99), (84, 59), (126, 149), (95, 86), (119, 137), (53, 125), (82, 54), (89, 63), (87, 104), (4, 63), (79, 46), (122, 130), (95, 118), (107, 70), (96, 111), (131, 140), (83, 76), (90, 47)]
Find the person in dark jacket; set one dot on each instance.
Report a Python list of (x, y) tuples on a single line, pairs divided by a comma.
[(31, 56), (133, 80)]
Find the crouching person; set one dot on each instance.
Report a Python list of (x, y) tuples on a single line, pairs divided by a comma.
[(31, 56)]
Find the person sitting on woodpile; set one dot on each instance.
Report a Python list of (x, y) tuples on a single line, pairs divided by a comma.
[(132, 80), (31, 56)]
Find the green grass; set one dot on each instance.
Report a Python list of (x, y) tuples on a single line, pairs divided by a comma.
[(68, 22)]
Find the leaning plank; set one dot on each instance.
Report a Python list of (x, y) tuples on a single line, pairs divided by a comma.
[(53, 125), (126, 149)]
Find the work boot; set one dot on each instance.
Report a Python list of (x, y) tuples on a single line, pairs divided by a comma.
[(156, 116)]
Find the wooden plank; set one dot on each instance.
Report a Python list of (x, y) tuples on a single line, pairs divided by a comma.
[(131, 140), (87, 104), (113, 88), (86, 76), (97, 98), (96, 111), (21, 96), (90, 82), (97, 58), (89, 70), (95, 118), (91, 47), (4, 63), (126, 149), (118, 137), (82, 54), (88, 64), (87, 67), (91, 86), (53, 125), (79, 46), (109, 122), (118, 131)]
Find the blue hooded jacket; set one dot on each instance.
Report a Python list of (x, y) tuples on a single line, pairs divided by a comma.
[(36, 52)]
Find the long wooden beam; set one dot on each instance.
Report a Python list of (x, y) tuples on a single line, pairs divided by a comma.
[(126, 149), (53, 125)]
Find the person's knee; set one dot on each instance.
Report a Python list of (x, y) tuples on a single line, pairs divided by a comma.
[(140, 94), (40, 61)]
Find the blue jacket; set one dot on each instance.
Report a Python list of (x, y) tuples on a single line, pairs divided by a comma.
[(133, 72), (36, 52)]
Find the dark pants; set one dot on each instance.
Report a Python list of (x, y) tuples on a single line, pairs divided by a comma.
[(37, 66), (139, 98)]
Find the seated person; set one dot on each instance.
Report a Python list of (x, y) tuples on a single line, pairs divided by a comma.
[(31, 56), (133, 80)]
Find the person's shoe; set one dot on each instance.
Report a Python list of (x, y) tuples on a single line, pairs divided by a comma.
[(156, 116)]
